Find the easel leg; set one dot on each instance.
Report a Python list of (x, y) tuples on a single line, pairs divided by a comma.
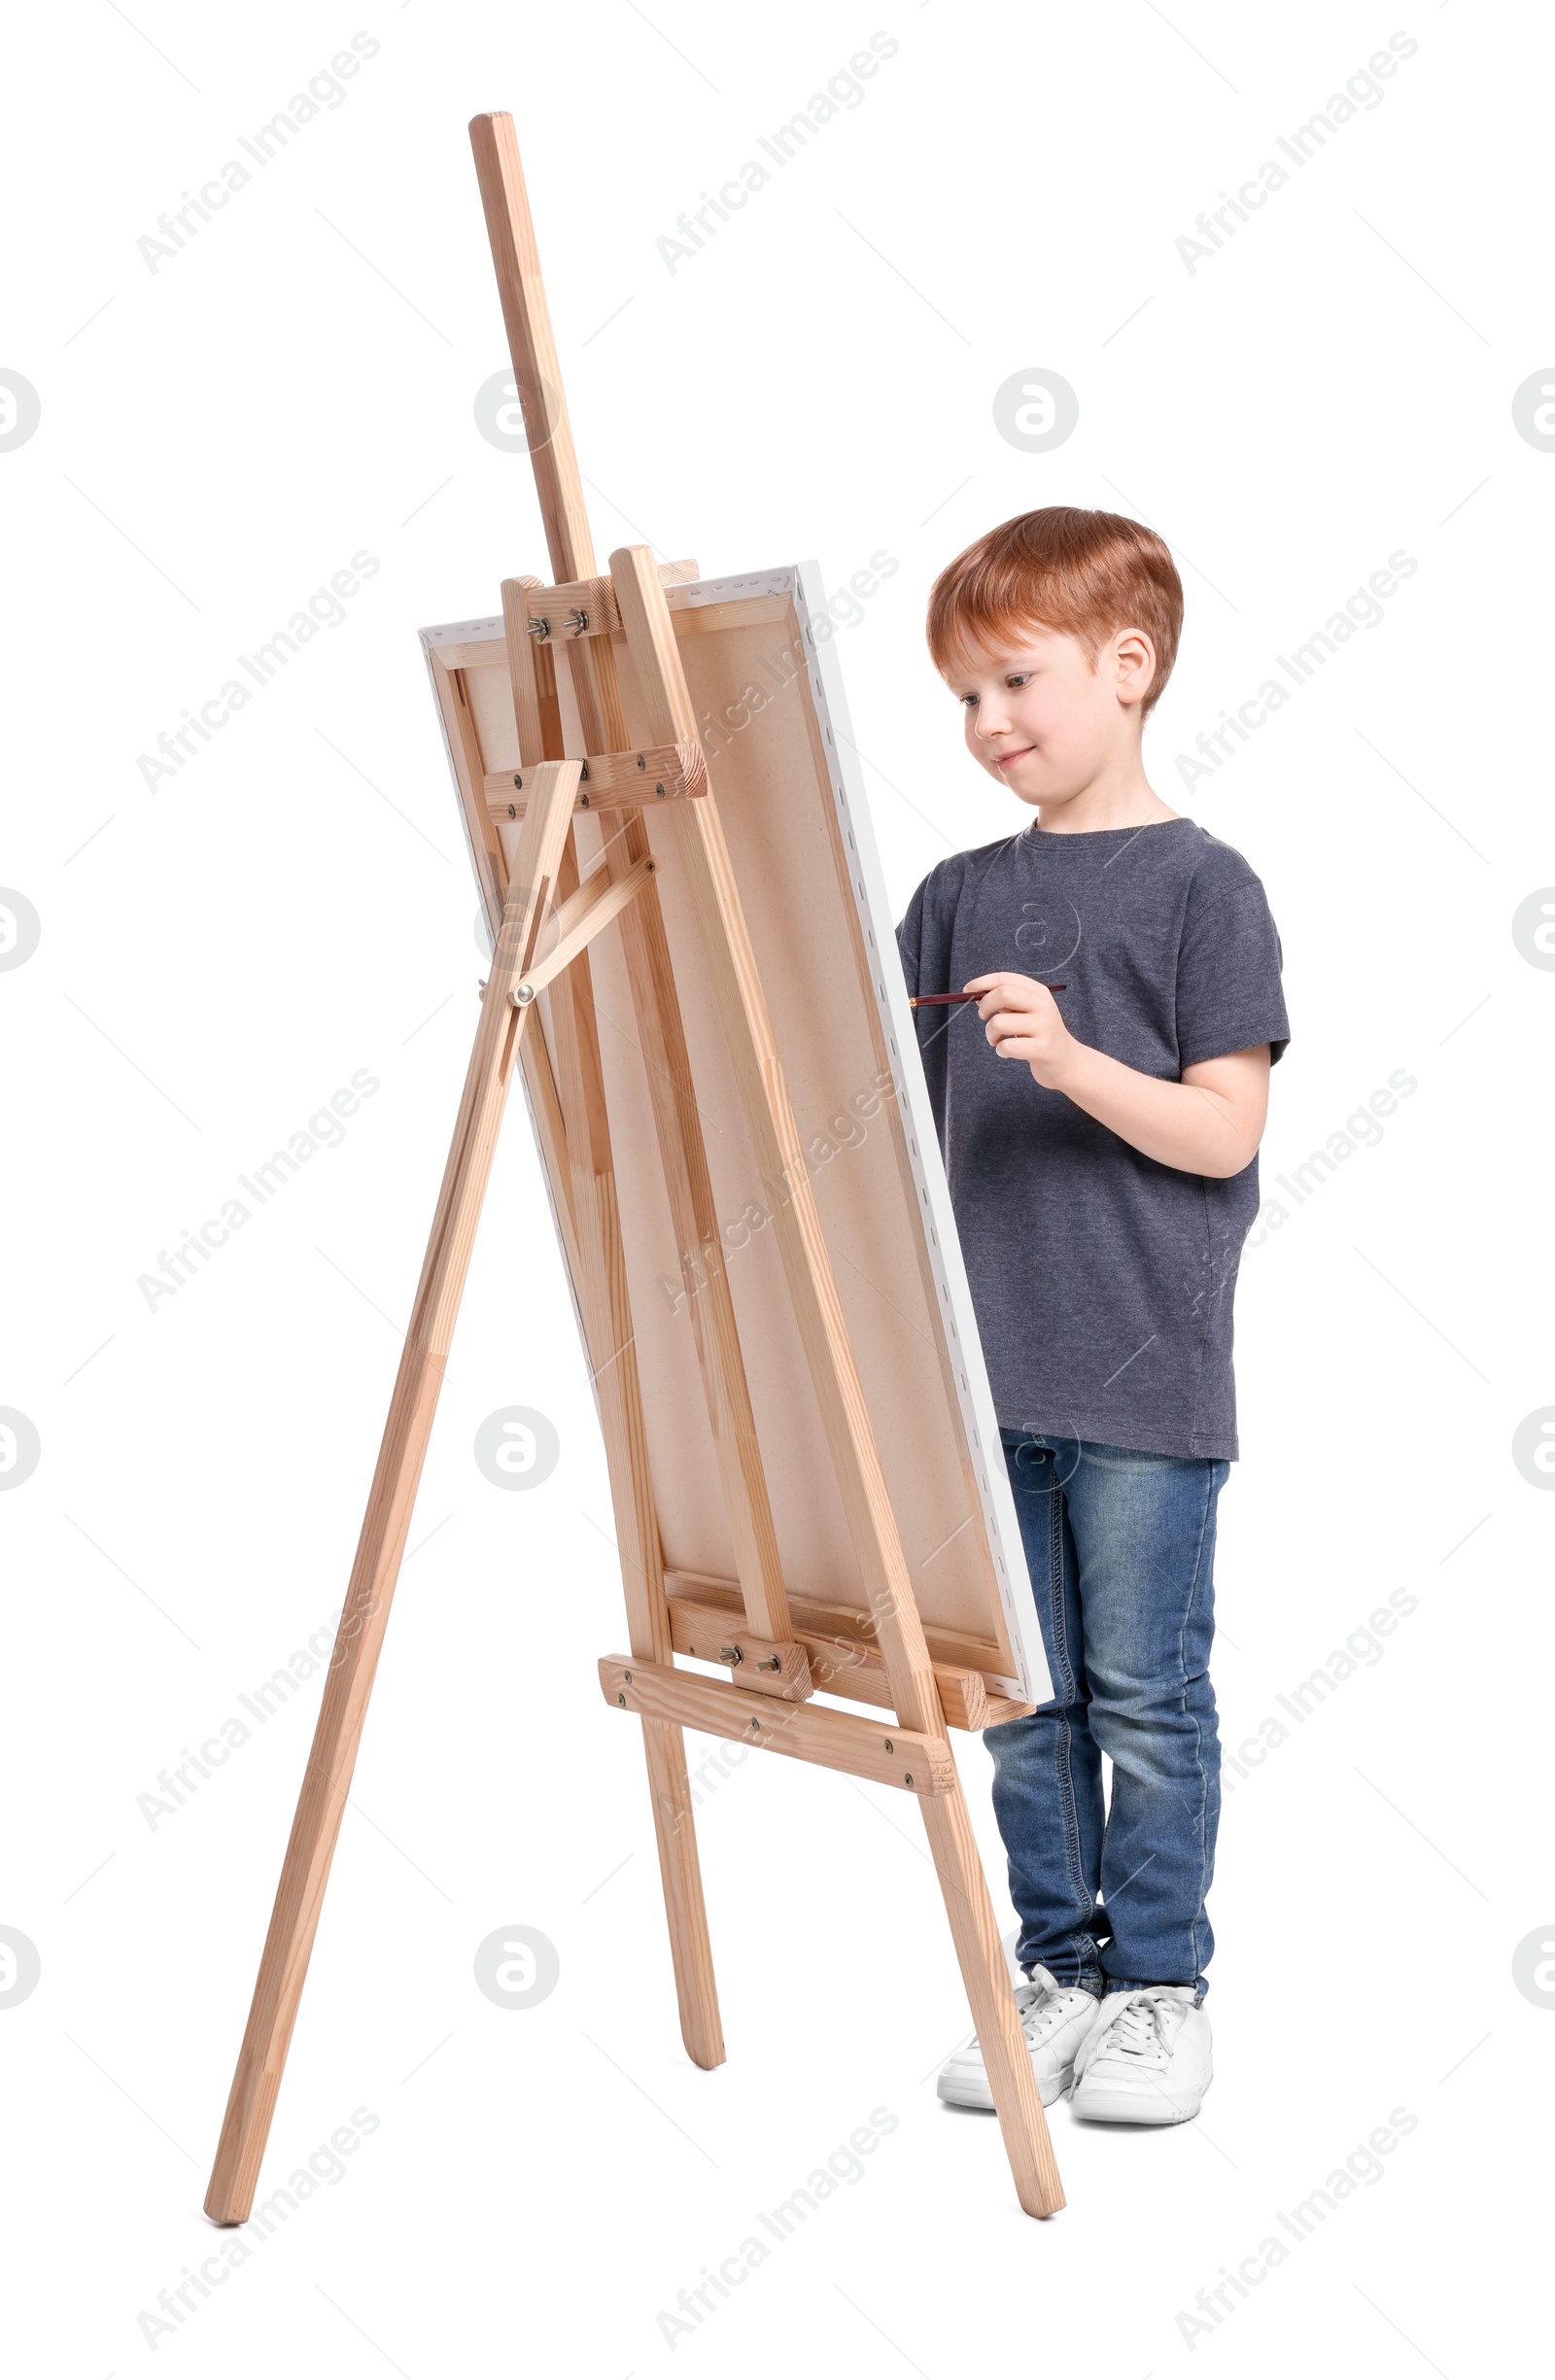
[(976, 1935), (664, 1746), (607, 1323), (321, 1806)]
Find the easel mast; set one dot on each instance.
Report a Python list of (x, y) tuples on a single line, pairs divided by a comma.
[(546, 924)]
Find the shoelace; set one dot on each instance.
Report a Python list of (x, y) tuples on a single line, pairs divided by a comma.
[(1041, 2009), (1143, 2029)]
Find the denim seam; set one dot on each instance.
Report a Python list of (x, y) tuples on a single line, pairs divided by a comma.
[(1086, 1961), (1195, 1935), (1071, 1814), (1090, 1957)]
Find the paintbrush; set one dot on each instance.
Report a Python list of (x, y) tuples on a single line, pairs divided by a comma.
[(953, 999)]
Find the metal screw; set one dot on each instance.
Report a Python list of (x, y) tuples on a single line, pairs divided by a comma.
[(539, 628), (512, 810), (909, 1777), (658, 790), (732, 1655), (775, 1662), (755, 1727), (890, 1746), (641, 763), (584, 772), (582, 800), (518, 783), (621, 1699), (523, 994), (627, 1674)]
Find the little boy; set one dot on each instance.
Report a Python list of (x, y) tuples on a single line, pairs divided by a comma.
[(1101, 1142)]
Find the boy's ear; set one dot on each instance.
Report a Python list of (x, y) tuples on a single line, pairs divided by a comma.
[(1134, 661)]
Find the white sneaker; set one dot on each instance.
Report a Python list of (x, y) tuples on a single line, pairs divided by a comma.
[(1145, 2059), (1054, 2019)]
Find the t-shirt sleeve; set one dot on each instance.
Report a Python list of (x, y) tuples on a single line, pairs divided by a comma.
[(1228, 990), (924, 946), (910, 940)]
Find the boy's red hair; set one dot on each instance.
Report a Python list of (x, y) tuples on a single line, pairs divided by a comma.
[(1085, 574)]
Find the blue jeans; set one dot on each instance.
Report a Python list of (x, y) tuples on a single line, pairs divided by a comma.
[(1121, 1547)]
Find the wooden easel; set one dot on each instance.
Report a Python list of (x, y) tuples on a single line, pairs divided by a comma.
[(547, 922)]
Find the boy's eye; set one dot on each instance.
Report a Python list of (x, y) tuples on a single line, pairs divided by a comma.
[(967, 701), (1017, 677)]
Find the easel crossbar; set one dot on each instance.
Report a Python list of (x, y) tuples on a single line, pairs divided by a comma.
[(585, 606), (831, 1739), (613, 781), (583, 915), (843, 1664)]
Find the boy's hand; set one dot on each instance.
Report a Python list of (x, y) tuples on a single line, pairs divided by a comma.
[(1020, 1018)]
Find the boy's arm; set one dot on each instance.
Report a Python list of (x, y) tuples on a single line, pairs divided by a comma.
[(1210, 1123)]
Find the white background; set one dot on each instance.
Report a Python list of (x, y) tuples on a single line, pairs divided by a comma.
[(218, 437)]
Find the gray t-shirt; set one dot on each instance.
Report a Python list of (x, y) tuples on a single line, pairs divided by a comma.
[(1102, 1281)]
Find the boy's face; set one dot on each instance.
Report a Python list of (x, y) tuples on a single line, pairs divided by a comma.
[(1046, 720)]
